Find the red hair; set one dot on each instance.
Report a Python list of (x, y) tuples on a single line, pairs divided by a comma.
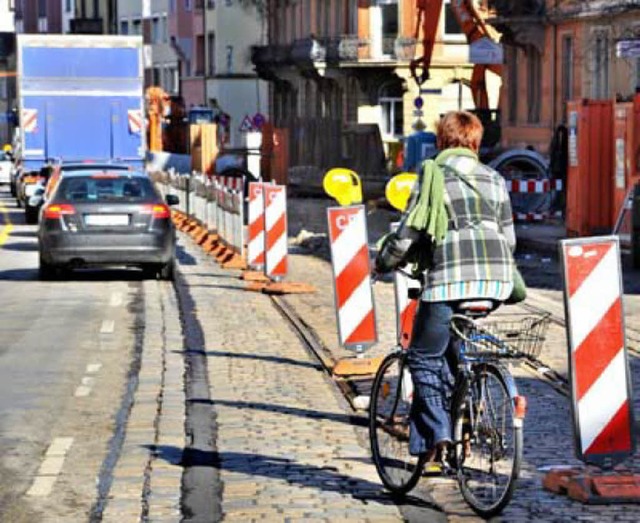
[(459, 129)]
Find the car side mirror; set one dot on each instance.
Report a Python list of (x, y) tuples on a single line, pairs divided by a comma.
[(172, 199)]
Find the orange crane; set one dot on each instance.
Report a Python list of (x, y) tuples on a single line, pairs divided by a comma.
[(472, 25)]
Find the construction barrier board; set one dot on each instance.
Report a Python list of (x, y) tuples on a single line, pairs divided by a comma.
[(406, 308), (598, 366), (255, 243), (353, 293), (275, 237)]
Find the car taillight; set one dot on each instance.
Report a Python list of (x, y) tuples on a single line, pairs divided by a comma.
[(56, 210), (157, 210)]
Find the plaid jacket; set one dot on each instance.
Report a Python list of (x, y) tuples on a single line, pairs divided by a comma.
[(475, 259)]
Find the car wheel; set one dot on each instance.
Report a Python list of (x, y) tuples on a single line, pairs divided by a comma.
[(167, 271), (47, 271), (31, 215)]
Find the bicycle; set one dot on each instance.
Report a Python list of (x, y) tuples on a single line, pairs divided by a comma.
[(487, 413)]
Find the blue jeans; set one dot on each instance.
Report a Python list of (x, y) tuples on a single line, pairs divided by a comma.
[(431, 375)]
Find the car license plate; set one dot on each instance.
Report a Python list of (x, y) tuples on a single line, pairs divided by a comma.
[(106, 220)]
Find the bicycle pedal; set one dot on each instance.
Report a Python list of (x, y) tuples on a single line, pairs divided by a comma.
[(432, 469)]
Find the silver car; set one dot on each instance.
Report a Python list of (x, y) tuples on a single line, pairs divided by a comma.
[(111, 217)]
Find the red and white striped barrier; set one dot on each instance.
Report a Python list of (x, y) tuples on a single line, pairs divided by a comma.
[(29, 120), (235, 183), (600, 382), (351, 274), (255, 243), (533, 186), (275, 238), (405, 308)]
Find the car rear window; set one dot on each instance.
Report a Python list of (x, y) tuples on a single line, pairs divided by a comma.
[(101, 188)]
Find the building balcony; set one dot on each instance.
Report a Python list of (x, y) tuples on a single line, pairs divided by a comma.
[(389, 49), (517, 8), (268, 59), (86, 26)]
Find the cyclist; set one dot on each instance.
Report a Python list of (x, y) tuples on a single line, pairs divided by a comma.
[(459, 231)]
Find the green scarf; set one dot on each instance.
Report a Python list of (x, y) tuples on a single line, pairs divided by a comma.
[(430, 213)]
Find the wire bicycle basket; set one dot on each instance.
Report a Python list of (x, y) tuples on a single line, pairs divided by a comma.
[(507, 335)]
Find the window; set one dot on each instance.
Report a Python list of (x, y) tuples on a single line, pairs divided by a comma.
[(512, 68), (156, 31), (384, 27), (392, 121), (600, 65), (67, 6), (200, 55), (451, 26), (172, 6), (188, 5), (567, 69), (124, 27), (229, 59), (136, 27), (42, 8), (211, 45), (534, 84)]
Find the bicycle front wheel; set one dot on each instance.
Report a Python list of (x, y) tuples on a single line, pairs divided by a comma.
[(389, 411), (488, 441)]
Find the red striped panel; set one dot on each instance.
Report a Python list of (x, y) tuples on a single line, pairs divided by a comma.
[(598, 349), (277, 230), (352, 276), (339, 219), (256, 227), (616, 436), (406, 323), (364, 332), (280, 269), (577, 273)]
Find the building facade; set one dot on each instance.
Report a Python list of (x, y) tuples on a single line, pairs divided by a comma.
[(161, 59), (231, 29), (561, 51), (186, 30), (343, 66)]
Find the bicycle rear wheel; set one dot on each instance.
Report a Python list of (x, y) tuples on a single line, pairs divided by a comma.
[(389, 427), (488, 442)]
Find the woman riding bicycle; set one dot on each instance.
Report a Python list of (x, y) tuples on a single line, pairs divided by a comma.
[(459, 229)]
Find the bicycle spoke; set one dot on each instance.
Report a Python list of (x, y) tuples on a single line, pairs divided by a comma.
[(389, 429), (491, 459)]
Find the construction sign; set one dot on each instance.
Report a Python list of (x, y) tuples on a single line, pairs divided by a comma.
[(599, 370), (351, 274)]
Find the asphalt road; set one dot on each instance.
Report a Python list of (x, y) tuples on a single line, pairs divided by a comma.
[(65, 353)]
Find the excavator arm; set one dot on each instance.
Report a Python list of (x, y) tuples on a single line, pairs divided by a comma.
[(474, 28)]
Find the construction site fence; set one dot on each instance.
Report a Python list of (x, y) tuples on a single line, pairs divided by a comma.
[(211, 201)]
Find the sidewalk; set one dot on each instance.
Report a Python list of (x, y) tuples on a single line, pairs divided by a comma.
[(288, 447)]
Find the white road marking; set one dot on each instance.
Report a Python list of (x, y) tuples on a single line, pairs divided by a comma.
[(107, 327), (93, 368), (50, 467), (116, 299), (59, 447), (88, 381), (82, 391)]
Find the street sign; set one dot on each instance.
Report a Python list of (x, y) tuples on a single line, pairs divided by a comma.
[(246, 125), (628, 48)]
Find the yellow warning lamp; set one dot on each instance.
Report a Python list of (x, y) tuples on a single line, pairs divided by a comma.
[(344, 185), (398, 190)]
